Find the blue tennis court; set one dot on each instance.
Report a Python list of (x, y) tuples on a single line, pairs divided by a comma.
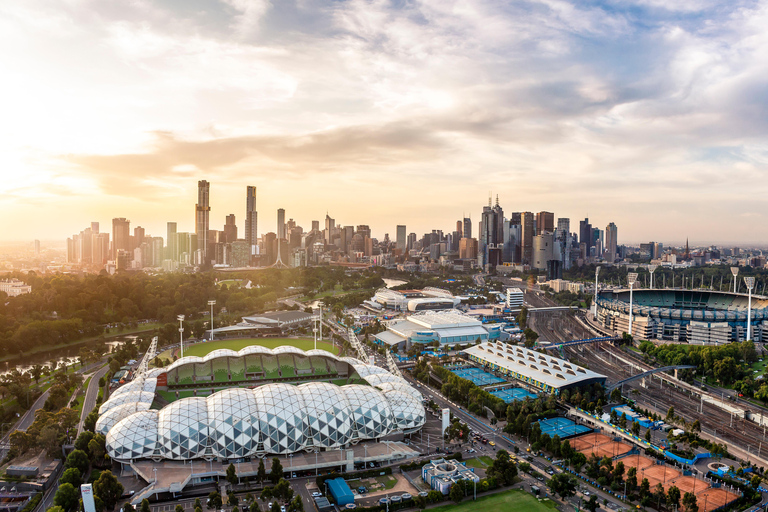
[(562, 427), (509, 395), (477, 376)]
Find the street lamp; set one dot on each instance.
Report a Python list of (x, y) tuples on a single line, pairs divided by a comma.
[(735, 272), (631, 278), (211, 303), (180, 318), (750, 282)]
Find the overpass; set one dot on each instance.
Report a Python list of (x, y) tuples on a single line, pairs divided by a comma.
[(550, 308), (610, 339), (649, 372)]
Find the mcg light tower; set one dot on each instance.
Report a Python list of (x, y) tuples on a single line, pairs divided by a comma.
[(180, 318), (211, 303), (735, 272), (631, 278), (652, 269), (750, 282)]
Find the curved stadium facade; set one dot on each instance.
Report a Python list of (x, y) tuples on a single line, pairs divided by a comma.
[(694, 316), (353, 402)]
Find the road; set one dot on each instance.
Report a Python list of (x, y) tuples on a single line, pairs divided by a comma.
[(91, 394)]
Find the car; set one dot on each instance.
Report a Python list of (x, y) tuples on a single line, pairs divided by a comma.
[(316, 494), (282, 508), (492, 443), (585, 493)]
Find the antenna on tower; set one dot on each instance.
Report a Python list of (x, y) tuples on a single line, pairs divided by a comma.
[(490, 198), (497, 199)]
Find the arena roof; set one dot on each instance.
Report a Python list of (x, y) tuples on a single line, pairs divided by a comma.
[(552, 371)]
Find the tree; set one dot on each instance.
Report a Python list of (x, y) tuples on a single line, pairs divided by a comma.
[(128, 507), (71, 476), (648, 435), (108, 489), (696, 426), (563, 484), (502, 469), (635, 428), (255, 507), (262, 472), (457, 492), (77, 459), (67, 497), (214, 500), (179, 508), (232, 474), (592, 505), (689, 502), (197, 503), (276, 472), (670, 414), (97, 447), (275, 507), (673, 496), (81, 443), (145, 506)]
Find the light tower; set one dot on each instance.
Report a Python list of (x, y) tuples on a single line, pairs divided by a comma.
[(211, 303), (180, 318), (735, 272), (652, 269), (750, 282), (631, 278), (594, 300)]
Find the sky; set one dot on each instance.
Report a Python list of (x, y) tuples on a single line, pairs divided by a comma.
[(651, 114)]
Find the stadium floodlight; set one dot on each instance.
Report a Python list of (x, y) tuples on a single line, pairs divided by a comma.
[(211, 303), (180, 318), (750, 282), (652, 269), (631, 278), (735, 272)]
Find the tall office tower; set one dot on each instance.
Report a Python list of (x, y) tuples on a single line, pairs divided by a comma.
[(597, 242), (543, 251), (85, 247), (585, 233), (611, 231), (202, 217), (138, 236), (545, 222), (460, 228), (121, 235), (251, 220), (411, 241), (401, 238), (491, 231), (468, 248), (526, 238), (467, 231), (100, 248), (156, 246), (330, 225), (563, 226), (364, 230), (95, 228), (658, 250), (171, 247), (281, 223), (37, 247), (230, 229), (315, 225), (512, 234)]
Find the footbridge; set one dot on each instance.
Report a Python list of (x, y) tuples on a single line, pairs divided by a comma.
[(649, 372), (573, 343)]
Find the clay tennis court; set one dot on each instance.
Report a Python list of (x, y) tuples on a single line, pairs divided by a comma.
[(581, 443), (713, 498), (636, 461), (610, 449), (659, 474), (689, 484)]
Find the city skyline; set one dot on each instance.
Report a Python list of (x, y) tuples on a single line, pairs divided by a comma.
[(645, 115)]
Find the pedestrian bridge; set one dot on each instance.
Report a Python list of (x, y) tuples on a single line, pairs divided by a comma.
[(649, 372)]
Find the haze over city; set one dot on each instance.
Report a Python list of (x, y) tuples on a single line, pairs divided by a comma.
[(646, 114)]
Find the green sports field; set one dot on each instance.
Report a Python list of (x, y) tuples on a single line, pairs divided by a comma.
[(519, 501), (201, 349)]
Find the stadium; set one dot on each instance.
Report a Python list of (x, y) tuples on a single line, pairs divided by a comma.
[(693, 316), (232, 406)]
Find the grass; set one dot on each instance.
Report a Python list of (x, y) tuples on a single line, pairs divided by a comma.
[(202, 349), (517, 500), (479, 462)]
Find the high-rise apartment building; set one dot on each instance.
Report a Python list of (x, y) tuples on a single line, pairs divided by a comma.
[(171, 248), (202, 217), (121, 236), (281, 224), (138, 237), (230, 229), (585, 234), (460, 228), (251, 220), (611, 231), (526, 237), (330, 226), (468, 248), (545, 222), (401, 240)]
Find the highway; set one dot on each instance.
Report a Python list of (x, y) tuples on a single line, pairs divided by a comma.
[(91, 394)]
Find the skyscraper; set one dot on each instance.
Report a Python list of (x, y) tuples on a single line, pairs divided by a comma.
[(467, 232), (251, 220), (171, 242), (491, 232), (330, 224), (611, 232), (526, 243), (460, 228), (545, 222), (585, 233), (121, 235), (138, 237), (202, 217), (281, 223), (230, 229), (401, 238)]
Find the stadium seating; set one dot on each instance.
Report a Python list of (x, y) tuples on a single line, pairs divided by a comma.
[(185, 372), (220, 370), (270, 367), (332, 369), (236, 368), (303, 366), (203, 371), (287, 366), (253, 364), (318, 365)]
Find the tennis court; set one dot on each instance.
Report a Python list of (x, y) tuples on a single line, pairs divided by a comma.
[(713, 498), (588, 441), (562, 427), (637, 461), (659, 474), (477, 376), (509, 395), (689, 484)]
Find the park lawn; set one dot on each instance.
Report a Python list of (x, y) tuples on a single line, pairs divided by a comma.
[(202, 349), (517, 500), (479, 462)]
